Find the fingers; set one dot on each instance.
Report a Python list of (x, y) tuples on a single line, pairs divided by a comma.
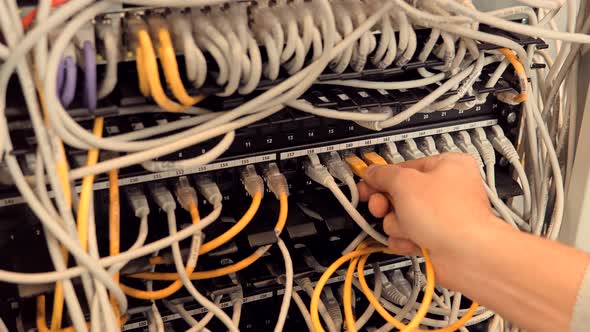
[(378, 205), (365, 191), (391, 226), (382, 178), (423, 164), (404, 247)]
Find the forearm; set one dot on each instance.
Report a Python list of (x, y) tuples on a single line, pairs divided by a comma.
[(530, 281)]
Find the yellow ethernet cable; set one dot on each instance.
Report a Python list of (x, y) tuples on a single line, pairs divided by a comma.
[(235, 229), (422, 309), (86, 191), (152, 74), (244, 263), (200, 275), (347, 294), (364, 253), (168, 59), (520, 72), (177, 284), (373, 158), (144, 85), (315, 299), (42, 325), (62, 169), (82, 221), (358, 166), (114, 227)]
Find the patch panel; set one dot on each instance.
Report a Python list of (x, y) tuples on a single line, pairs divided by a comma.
[(289, 153)]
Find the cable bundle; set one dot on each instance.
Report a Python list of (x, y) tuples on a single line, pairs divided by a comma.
[(303, 39)]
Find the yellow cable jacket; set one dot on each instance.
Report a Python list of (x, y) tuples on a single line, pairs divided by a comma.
[(347, 296), (86, 192), (357, 165), (62, 169), (114, 227), (520, 72), (171, 72), (373, 158), (200, 275), (385, 314), (315, 318), (82, 217), (153, 76), (283, 213), (235, 229), (177, 284), (144, 86), (244, 263), (42, 325)]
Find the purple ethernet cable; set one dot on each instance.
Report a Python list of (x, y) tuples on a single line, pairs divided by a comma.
[(69, 89), (90, 85)]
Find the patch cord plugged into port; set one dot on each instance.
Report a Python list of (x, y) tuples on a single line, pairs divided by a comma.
[(366, 141)]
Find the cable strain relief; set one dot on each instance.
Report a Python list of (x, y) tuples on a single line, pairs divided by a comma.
[(393, 294), (253, 183), (511, 154)]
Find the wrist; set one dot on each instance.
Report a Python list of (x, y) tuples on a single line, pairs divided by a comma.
[(465, 248)]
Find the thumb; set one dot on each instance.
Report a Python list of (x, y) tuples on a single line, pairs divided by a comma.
[(384, 178)]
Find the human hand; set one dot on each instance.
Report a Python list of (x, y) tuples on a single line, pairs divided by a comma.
[(437, 203)]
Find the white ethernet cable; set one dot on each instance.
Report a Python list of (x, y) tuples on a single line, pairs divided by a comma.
[(41, 49), (72, 302), (200, 326), (106, 32), (190, 320), (306, 285), (302, 308), (368, 313), (366, 25), (319, 173), (341, 171), (53, 226), (237, 300), (196, 64), (345, 27), (166, 202), (505, 147), (333, 306), (202, 38), (362, 48), (390, 153), (463, 141), (533, 31), (486, 151), (233, 54), (426, 101), (409, 150), (445, 143), (288, 286), (314, 68), (427, 146), (141, 250), (335, 114), (411, 302), (102, 314)]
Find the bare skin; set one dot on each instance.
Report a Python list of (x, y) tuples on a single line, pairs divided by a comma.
[(440, 204)]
